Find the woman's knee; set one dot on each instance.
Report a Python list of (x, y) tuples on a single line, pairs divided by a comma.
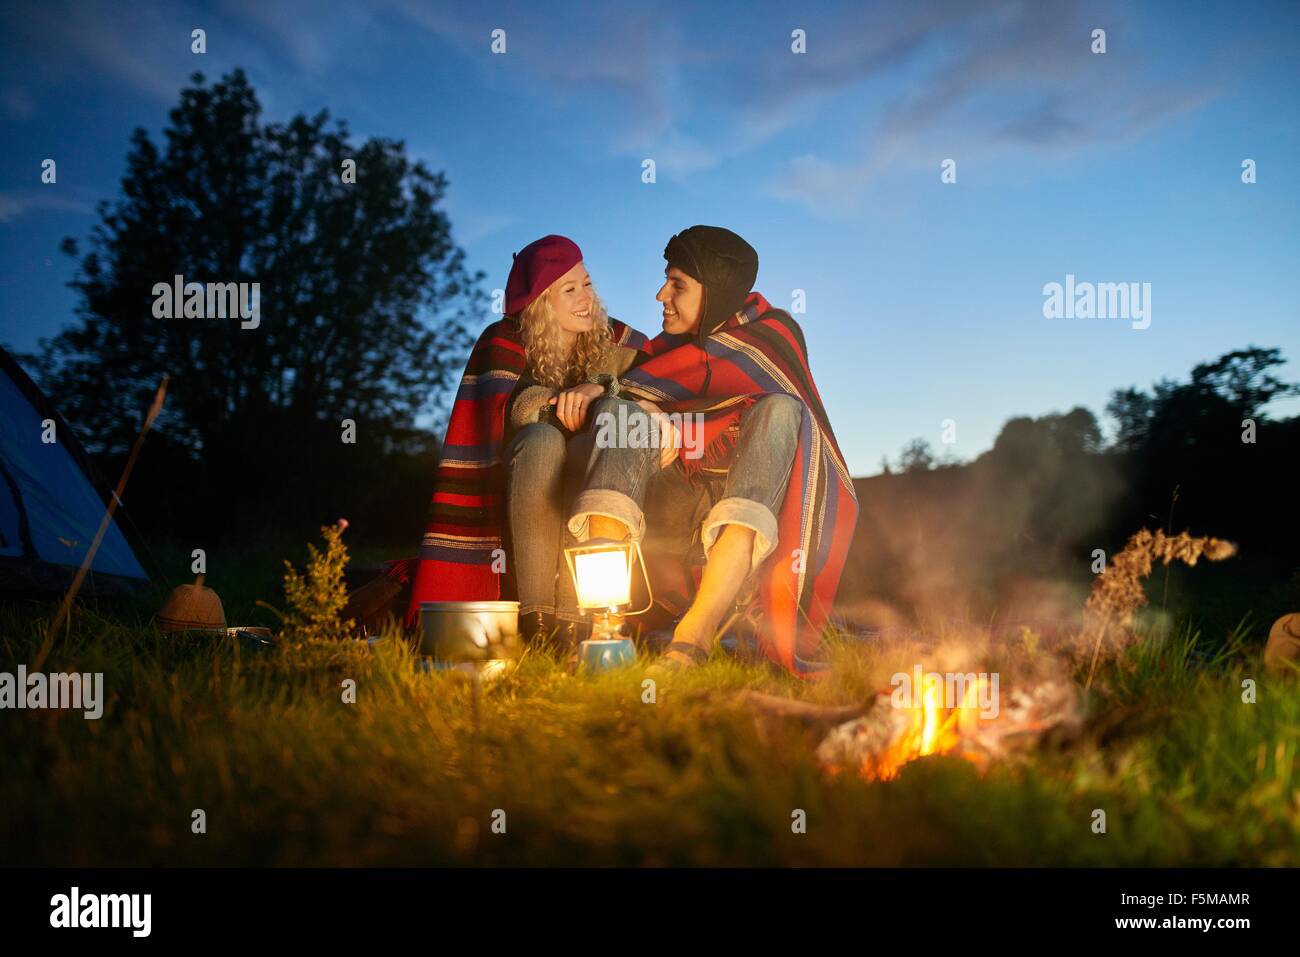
[(610, 404), (539, 446)]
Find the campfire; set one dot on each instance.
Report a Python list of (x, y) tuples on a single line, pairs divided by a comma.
[(963, 715), (950, 717), (930, 728), (878, 744)]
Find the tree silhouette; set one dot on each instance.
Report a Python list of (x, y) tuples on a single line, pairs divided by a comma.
[(365, 302), (1213, 402), (1242, 378), (917, 456), (1189, 435)]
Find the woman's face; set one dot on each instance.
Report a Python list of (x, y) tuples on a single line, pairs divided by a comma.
[(682, 298), (572, 299)]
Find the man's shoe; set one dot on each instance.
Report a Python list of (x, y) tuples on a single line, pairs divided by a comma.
[(678, 656)]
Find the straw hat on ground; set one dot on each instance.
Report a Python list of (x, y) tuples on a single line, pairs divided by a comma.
[(1283, 642), (192, 607)]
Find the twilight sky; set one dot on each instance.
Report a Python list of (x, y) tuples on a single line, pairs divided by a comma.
[(924, 298)]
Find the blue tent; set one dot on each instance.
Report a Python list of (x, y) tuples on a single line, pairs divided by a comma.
[(50, 507)]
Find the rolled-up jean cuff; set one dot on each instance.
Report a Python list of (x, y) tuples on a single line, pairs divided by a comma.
[(609, 503), (750, 514)]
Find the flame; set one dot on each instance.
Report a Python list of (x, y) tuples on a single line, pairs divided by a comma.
[(603, 578), (930, 729)]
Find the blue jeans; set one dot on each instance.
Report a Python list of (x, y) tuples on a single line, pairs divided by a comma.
[(620, 480), (538, 489)]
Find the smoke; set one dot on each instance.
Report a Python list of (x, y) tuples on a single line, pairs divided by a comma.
[(1006, 540)]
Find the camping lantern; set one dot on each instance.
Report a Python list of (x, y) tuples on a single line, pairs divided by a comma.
[(602, 576)]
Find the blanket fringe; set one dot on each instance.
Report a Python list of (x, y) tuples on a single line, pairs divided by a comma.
[(716, 454)]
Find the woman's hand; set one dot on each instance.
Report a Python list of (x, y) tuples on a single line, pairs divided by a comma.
[(571, 404), (667, 433)]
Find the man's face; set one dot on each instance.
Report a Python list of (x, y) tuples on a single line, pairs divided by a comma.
[(682, 297)]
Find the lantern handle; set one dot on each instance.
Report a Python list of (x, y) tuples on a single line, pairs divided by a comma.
[(645, 577)]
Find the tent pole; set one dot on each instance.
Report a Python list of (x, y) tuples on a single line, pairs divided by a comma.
[(66, 607)]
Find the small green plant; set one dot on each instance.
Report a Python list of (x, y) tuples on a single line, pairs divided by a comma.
[(315, 598)]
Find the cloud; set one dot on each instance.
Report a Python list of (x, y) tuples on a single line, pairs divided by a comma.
[(693, 89), (832, 190), (15, 203), (147, 48), (1047, 125), (899, 84), (290, 26), (676, 155), (623, 60), (105, 39), (314, 38), (847, 48), (471, 224), (1002, 77)]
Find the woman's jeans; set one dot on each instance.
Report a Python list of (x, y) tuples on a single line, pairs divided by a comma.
[(538, 491), (621, 480)]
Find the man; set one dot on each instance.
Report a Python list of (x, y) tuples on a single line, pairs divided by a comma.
[(737, 369)]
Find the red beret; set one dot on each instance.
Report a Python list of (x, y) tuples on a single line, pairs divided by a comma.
[(536, 266)]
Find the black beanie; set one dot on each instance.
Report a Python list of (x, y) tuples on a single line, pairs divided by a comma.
[(723, 262)]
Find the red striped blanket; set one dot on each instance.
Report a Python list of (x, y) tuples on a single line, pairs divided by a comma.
[(467, 517), (758, 352)]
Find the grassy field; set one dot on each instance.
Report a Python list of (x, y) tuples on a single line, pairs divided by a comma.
[(414, 772)]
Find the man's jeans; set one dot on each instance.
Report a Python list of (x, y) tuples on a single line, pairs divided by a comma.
[(620, 480), (538, 490)]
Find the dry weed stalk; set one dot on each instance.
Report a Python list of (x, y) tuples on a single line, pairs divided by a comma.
[(1117, 593)]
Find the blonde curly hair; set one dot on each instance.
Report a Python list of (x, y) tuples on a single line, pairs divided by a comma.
[(547, 361)]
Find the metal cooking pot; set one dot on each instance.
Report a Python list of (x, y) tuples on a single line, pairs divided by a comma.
[(469, 630)]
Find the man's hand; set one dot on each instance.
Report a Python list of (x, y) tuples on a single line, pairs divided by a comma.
[(667, 433), (571, 404)]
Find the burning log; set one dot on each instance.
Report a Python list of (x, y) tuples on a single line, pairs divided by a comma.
[(888, 736), (803, 711), (774, 712)]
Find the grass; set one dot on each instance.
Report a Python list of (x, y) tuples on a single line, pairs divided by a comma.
[(585, 772)]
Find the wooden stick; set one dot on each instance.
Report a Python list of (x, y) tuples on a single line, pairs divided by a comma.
[(66, 607)]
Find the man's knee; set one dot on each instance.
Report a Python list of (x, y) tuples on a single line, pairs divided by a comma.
[(782, 412)]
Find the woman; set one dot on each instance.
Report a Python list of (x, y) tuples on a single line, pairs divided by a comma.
[(529, 382)]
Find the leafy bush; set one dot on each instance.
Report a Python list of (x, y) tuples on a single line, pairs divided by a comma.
[(315, 599)]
